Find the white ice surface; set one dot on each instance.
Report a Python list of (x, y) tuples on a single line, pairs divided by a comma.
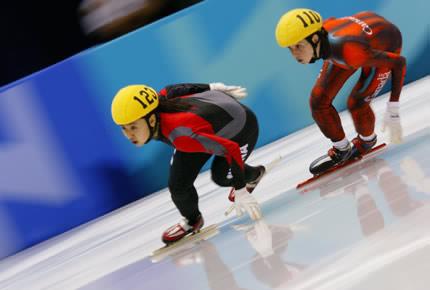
[(96, 255)]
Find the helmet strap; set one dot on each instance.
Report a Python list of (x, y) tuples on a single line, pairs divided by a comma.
[(314, 45), (325, 50), (153, 131)]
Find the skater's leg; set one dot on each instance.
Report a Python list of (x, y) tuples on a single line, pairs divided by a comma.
[(221, 170), (330, 81), (183, 172), (328, 84), (221, 173), (370, 83)]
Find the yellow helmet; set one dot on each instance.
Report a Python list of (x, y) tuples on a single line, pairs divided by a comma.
[(296, 25), (133, 102)]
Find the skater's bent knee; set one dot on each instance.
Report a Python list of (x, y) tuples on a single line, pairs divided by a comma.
[(319, 102), (356, 104), (221, 180), (179, 189)]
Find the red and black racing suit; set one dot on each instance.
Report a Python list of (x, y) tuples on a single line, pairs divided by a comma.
[(216, 124), (367, 41)]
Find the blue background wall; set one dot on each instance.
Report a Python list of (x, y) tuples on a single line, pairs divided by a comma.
[(62, 160)]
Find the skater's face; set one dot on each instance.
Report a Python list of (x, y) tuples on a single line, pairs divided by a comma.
[(303, 51), (137, 132)]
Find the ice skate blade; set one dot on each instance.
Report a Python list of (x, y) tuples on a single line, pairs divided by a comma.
[(303, 186), (167, 250)]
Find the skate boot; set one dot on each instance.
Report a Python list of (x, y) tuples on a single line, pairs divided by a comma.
[(250, 186), (333, 157), (182, 229), (359, 146)]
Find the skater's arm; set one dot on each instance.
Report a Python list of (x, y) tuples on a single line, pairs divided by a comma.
[(364, 56), (210, 143), (178, 90), (231, 151), (397, 63)]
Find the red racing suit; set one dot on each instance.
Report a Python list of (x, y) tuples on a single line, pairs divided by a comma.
[(364, 40), (215, 124)]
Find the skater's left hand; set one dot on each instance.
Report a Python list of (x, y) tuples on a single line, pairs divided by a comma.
[(391, 123), (236, 92), (245, 202)]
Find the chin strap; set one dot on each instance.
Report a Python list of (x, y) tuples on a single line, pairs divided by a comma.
[(152, 130), (314, 45), (324, 47)]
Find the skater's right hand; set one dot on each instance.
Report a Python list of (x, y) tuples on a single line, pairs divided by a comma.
[(391, 123), (245, 202), (236, 92)]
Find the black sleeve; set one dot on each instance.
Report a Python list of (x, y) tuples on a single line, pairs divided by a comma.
[(177, 90)]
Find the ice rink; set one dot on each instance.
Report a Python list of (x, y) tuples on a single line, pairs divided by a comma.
[(364, 227)]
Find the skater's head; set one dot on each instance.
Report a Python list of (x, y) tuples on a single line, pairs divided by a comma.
[(301, 31), (134, 109), (137, 108)]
